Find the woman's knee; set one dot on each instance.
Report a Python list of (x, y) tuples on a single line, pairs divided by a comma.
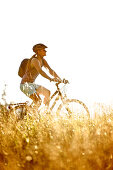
[(49, 93)]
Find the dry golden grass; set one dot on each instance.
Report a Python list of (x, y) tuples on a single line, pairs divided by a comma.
[(53, 142)]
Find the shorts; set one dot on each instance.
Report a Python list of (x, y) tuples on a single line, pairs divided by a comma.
[(29, 88)]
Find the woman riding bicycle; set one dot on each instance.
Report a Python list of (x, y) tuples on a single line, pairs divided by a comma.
[(33, 69)]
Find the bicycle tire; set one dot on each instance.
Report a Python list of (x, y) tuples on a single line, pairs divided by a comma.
[(65, 107)]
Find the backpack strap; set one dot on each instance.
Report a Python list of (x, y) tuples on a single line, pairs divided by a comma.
[(28, 64)]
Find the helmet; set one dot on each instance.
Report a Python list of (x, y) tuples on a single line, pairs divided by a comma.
[(38, 46)]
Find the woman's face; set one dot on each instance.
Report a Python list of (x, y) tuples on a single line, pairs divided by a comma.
[(42, 52)]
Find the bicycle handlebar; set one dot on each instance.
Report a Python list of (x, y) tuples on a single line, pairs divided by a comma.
[(63, 81)]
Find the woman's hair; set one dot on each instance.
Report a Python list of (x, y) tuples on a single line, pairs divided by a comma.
[(38, 46)]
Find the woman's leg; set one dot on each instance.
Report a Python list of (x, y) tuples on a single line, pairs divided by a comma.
[(45, 92), (36, 98)]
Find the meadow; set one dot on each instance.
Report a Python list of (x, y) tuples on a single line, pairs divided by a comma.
[(48, 141)]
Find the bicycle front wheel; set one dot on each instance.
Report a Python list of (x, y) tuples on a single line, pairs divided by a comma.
[(74, 107)]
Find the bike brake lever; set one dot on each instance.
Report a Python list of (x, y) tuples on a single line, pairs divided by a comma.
[(65, 81)]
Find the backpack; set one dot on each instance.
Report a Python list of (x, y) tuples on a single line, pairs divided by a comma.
[(22, 68)]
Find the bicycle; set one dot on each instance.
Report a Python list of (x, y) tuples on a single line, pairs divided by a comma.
[(67, 106)]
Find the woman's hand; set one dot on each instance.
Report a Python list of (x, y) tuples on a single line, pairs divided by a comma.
[(56, 80)]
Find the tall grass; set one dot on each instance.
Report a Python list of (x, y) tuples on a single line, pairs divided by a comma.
[(47, 141)]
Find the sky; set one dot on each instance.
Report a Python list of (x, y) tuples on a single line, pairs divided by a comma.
[(79, 36)]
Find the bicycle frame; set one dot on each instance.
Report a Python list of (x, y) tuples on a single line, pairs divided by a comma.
[(57, 98), (60, 96)]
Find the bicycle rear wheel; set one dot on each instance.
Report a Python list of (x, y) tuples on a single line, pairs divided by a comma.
[(73, 107)]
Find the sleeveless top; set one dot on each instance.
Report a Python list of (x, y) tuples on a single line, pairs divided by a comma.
[(31, 72)]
